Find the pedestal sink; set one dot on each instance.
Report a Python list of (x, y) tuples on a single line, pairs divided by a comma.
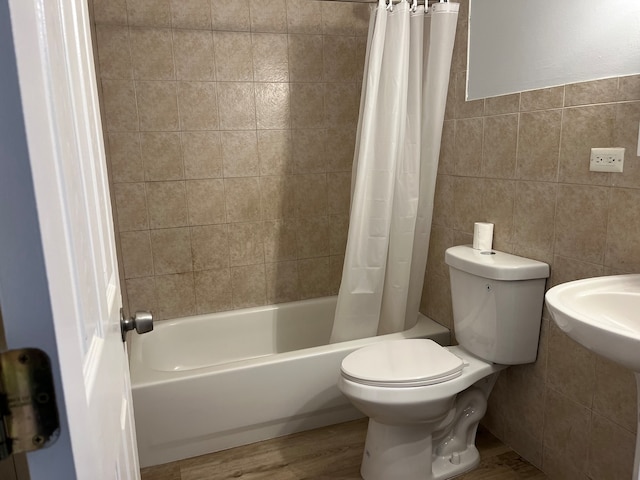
[(603, 315)]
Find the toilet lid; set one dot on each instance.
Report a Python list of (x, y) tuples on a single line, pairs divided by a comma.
[(402, 363)]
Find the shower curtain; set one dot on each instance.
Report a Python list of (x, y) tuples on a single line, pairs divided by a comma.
[(402, 106)]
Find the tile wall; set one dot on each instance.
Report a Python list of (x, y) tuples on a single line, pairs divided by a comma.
[(522, 162), (230, 128)]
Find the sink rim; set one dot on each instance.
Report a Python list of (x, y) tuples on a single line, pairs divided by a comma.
[(557, 301)]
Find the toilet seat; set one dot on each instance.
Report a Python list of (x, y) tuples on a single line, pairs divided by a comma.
[(402, 363)]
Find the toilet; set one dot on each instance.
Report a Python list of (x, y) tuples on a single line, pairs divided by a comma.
[(424, 401)]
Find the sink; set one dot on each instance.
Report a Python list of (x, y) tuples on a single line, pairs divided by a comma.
[(603, 315)]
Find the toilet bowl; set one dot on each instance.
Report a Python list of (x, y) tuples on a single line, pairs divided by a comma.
[(424, 401)]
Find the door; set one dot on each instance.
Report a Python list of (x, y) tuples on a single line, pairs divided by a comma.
[(59, 286)]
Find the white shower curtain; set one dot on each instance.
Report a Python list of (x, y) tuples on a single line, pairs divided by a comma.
[(402, 106)]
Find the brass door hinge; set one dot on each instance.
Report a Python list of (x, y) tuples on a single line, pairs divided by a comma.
[(28, 407)]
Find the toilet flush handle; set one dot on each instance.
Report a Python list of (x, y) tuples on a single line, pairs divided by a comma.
[(142, 321)]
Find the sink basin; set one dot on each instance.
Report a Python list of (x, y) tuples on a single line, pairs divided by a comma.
[(602, 314)]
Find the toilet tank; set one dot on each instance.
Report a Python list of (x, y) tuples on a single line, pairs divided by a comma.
[(497, 303)]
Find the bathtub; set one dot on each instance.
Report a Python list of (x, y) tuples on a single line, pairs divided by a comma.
[(211, 382)]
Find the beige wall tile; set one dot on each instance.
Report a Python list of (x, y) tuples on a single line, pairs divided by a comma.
[(161, 156), (498, 203), (280, 240), (626, 135), (539, 145), (313, 237), (615, 394), (302, 16), (202, 154), (167, 204), (231, 15), (274, 152), (437, 299), (467, 203), (125, 157), (338, 232), (499, 146), (193, 51), (136, 254), (119, 101), (444, 201), (237, 106), (242, 199), (311, 195), (142, 295), (440, 239), (282, 282), (277, 196), (315, 277), (307, 105), (234, 59), (205, 201), (566, 431), (468, 147), (608, 463), (342, 102), (195, 14), (502, 104), (131, 204), (308, 150), (571, 368), (268, 15), (447, 160), (156, 13), (157, 106), (249, 286), (270, 57), (210, 247), (213, 290), (542, 99), (305, 58), (339, 148), (246, 245), (581, 222), (568, 269), (272, 106), (582, 129), (240, 154), (175, 295), (463, 108), (171, 249), (336, 263), (629, 88), (198, 105), (534, 217), (338, 19), (339, 191), (152, 54), (597, 91), (623, 248), (110, 11), (339, 57), (114, 55)]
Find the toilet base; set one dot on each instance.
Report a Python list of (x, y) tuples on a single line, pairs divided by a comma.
[(404, 452)]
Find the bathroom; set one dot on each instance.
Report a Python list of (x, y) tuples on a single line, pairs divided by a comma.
[(278, 212)]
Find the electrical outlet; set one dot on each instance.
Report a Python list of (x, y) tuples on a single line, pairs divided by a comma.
[(607, 160)]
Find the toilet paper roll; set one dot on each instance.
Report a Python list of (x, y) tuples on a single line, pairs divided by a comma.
[(482, 236)]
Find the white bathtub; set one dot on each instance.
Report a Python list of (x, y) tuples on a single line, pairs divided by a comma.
[(210, 382)]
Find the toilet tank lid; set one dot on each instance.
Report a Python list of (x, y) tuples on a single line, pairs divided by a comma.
[(495, 265)]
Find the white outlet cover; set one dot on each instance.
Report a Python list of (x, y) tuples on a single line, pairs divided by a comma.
[(607, 160)]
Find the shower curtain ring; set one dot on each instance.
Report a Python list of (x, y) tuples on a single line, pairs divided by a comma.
[(390, 6), (414, 6)]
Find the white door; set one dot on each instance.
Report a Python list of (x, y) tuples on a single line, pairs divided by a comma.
[(59, 287)]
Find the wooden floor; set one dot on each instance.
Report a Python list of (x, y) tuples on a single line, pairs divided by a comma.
[(329, 453)]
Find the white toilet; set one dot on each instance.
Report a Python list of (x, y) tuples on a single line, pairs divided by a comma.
[(424, 401)]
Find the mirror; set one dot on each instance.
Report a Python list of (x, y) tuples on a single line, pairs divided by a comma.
[(519, 45)]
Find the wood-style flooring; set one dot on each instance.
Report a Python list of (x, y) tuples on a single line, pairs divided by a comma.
[(329, 453)]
